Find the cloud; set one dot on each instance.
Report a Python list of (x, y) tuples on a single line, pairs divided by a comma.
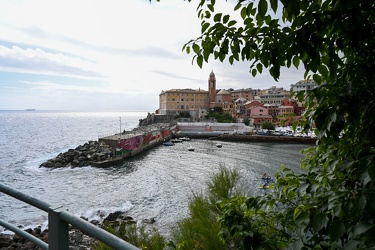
[(65, 54), (37, 61), (175, 76)]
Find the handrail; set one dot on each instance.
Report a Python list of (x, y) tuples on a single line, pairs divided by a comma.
[(58, 225), (24, 234), (25, 198)]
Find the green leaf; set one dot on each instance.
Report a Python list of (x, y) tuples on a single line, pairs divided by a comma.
[(237, 6), (196, 48), (360, 202), (337, 229), (262, 8), (317, 79), (243, 13), (231, 60), (371, 172), (260, 68), (200, 61), (205, 27), (320, 220), (323, 70), (254, 72), (221, 57), (225, 18), (297, 211), (217, 17), (231, 23), (361, 227), (187, 50), (296, 61), (211, 7), (274, 5), (207, 14)]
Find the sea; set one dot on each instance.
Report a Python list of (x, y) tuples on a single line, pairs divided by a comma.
[(155, 184)]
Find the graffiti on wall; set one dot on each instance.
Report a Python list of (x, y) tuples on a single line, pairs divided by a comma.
[(127, 146), (130, 144)]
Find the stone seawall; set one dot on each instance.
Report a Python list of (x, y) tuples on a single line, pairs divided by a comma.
[(268, 138), (248, 138)]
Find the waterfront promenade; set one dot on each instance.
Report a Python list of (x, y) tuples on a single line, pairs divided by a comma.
[(233, 132)]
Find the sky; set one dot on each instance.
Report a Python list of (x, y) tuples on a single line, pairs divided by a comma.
[(95, 55)]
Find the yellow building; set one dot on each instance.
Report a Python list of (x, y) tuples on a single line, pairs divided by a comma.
[(175, 101)]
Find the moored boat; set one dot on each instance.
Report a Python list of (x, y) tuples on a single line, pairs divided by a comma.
[(176, 140), (185, 138)]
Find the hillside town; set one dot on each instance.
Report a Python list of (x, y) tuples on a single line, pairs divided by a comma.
[(275, 105)]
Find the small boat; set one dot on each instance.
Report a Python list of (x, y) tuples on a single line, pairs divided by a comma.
[(176, 140), (185, 138), (190, 148), (168, 143), (267, 179), (265, 187), (266, 182), (219, 145)]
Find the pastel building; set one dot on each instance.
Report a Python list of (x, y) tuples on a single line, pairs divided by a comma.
[(242, 93), (303, 85), (194, 101), (176, 101), (258, 115), (274, 95)]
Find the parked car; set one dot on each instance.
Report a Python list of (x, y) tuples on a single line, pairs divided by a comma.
[(262, 132), (277, 133)]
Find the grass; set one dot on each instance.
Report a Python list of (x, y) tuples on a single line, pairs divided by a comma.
[(200, 230)]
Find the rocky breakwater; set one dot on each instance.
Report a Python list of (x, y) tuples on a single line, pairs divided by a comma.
[(91, 153)]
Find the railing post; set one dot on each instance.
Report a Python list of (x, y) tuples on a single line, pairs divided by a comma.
[(58, 230)]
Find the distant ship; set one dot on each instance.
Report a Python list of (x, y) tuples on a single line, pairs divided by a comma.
[(30, 109)]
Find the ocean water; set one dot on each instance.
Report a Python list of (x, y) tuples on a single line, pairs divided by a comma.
[(156, 184)]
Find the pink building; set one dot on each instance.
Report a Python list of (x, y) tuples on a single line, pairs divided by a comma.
[(259, 114), (250, 105)]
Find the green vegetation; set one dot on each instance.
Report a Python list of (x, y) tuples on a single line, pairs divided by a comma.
[(246, 121), (137, 236), (184, 114), (268, 125), (286, 118), (219, 115), (201, 229), (332, 205)]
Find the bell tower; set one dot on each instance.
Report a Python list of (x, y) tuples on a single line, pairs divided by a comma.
[(212, 88)]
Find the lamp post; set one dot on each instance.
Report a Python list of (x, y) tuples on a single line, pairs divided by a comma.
[(120, 126)]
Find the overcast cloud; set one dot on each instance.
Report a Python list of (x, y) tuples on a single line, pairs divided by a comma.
[(106, 55)]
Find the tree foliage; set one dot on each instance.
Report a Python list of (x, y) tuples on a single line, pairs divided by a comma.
[(268, 125), (332, 205), (246, 121), (220, 115), (200, 230)]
